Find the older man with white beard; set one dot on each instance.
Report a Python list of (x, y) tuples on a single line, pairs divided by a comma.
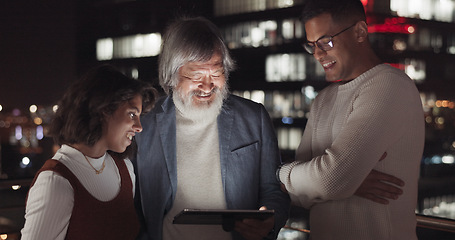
[(203, 148)]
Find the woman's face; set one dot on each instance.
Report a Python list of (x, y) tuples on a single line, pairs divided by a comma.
[(122, 125)]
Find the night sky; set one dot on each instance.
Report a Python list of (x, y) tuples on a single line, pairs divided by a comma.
[(37, 51)]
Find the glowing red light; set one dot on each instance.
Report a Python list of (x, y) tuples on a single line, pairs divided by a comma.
[(410, 29), (393, 25), (397, 65)]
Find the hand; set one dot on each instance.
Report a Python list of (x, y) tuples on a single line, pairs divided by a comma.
[(378, 187), (254, 229)]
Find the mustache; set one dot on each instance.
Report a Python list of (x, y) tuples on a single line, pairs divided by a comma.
[(202, 93)]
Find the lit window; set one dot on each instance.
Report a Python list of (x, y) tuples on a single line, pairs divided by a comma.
[(415, 69), (258, 96), (440, 10), (135, 46), (286, 67), (104, 49)]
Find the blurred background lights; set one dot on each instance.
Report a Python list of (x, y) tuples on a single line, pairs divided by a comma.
[(16, 187), (309, 92), (287, 120), (18, 132), (39, 132), (25, 162), (54, 108), (1, 107), (38, 121), (133, 46), (33, 108), (411, 29), (258, 96), (448, 159), (135, 73), (451, 49), (4, 236), (440, 120), (436, 159), (16, 112)]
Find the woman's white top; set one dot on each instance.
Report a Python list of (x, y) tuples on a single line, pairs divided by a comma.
[(50, 200)]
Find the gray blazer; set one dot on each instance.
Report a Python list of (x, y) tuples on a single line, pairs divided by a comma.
[(249, 158)]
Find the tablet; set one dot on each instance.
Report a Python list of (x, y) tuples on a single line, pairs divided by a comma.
[(226, 218)]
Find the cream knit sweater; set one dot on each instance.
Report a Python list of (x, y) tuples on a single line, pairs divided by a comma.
[(350, 126), (199, 183)]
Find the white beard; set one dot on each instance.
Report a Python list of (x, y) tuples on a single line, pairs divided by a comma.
[(204, 112)]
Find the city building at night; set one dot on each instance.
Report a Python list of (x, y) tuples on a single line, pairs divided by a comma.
[(265, 38)]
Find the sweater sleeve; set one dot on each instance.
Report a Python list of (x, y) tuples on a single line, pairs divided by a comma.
[(49, 205), (376, 119)]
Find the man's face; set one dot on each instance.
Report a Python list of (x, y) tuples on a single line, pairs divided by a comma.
[(201, 82), (338, 61)]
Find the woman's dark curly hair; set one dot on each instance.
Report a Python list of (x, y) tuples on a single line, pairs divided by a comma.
[(83, 109)]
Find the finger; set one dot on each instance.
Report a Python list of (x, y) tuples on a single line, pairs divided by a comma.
[(385, 187), (381, 188), (376, 199), (384, 194), (387, 178)]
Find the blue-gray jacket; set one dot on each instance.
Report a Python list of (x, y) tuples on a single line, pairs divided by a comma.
[(249, 158)]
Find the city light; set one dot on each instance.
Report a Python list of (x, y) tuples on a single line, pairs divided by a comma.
[(392, 28), (258, 96), (38, 121), (39, 132), (16, 112), (18, 132), (287, 120), (445, 104), (25, 162), (133, 46), (448, 159), (33, 108)]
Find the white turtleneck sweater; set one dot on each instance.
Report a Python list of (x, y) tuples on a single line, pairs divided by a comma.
[(51, 199), (350, 126), (199, 183)]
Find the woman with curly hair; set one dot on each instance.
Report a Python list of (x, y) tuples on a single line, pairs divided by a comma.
[(86, 190)]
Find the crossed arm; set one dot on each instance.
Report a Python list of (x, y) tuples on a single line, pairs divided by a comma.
[(380, 187)]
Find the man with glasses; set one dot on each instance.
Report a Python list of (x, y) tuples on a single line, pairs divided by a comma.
[(364, 129)]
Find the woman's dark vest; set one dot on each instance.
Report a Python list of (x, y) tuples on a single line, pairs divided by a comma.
[(95, 219)]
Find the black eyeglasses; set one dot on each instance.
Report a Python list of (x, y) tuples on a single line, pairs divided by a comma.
[(324, 43)]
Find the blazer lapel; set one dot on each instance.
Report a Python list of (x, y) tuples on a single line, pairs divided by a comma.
[(225, 124), (166, 120)]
